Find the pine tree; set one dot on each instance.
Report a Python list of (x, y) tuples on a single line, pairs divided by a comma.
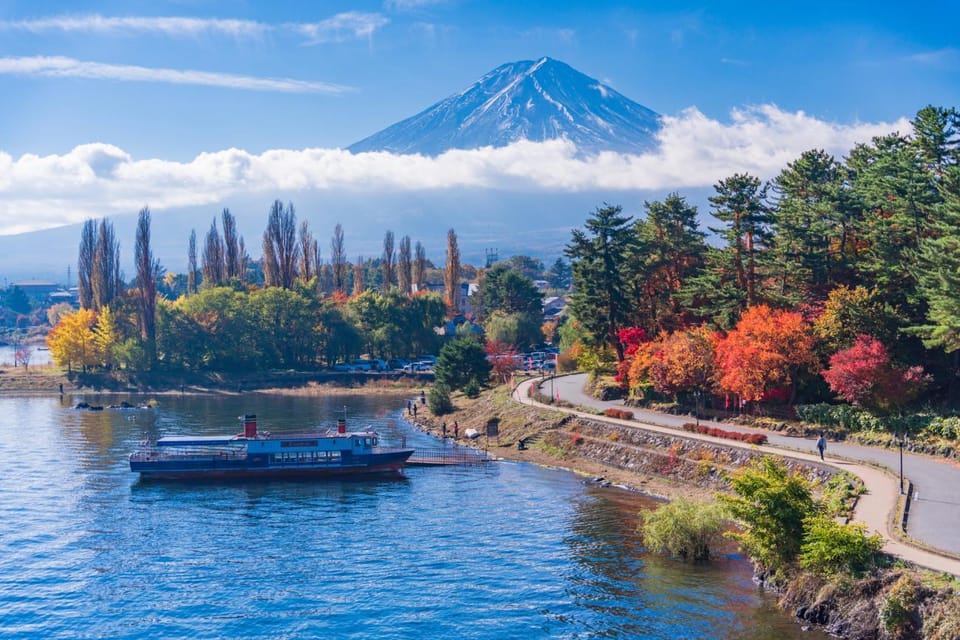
[(597, 256)]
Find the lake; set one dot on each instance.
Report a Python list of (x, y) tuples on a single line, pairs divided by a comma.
[(505, 550)]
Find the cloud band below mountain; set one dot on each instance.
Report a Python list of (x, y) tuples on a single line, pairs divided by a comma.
[(695, 151)]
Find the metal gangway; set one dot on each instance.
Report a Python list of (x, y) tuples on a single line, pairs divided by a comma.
[(448, 455)]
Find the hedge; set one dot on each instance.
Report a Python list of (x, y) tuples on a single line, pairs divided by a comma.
[(751, 438)]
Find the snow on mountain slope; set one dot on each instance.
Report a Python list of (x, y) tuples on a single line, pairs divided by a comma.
[(534, 100)]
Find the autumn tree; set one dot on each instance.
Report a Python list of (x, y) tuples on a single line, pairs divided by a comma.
[(309, 253), (358, 271), (864, 376), (451, 274), (107, 335), (684, 362), (71, 342), (766, 350)]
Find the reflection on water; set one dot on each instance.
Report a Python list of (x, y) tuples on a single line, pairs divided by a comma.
[(499, 551)]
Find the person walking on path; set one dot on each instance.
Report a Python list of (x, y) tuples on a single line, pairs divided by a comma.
[(456, 430), (443, 430), (821, 444)]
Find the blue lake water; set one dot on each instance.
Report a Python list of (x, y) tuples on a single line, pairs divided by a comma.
[(505, 550)]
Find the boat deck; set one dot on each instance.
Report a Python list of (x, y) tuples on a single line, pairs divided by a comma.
[(440, 456)]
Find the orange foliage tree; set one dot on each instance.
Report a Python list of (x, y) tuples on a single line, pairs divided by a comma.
[(764, 351), (684, 362)]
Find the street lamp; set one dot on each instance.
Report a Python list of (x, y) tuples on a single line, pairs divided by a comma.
[(901, 440)]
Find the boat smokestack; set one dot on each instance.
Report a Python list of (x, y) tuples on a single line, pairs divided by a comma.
[(341, 425), (250, 426)]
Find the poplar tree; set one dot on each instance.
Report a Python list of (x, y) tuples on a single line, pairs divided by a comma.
[(211, 264), (280, 249), (232, 252), (451, 273), (85, 261), (405, 266), (358, 276), (388, 260), (192, 263), (148, 272), (419, 266), (338, 260), (309, 253), (105, 282)]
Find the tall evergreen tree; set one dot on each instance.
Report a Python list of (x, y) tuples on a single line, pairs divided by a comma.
[(812, 225), (670, 250), (898, 199), (597, 256), (560, 274), (936, 135)]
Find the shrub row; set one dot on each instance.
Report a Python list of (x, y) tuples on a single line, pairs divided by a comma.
[(752, 438), (613, 412)]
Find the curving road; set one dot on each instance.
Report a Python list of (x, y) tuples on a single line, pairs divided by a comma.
[(934, 513)]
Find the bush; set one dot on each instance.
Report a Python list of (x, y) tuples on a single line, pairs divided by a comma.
[(613, 412), (830, 548), (472, 389), (439, 399), (686, 528), (897, 612)]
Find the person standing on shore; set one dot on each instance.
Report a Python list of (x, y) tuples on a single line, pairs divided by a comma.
[(821, 444)]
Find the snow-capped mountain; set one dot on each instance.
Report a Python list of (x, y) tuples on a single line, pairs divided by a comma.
[(535, 100)]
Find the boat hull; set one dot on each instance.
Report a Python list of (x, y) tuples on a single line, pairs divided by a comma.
[(218, 469)]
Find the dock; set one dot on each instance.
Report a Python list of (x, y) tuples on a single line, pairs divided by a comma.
[(454, 455)]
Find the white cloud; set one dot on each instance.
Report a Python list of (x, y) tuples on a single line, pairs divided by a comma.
[(342, 27), (61, 67), (409, 5), (177, 27), (695, 151)]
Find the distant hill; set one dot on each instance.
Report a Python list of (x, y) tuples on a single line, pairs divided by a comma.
[(534, 100)]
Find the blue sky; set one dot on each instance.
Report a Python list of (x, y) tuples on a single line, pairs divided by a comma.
[(153, 88)]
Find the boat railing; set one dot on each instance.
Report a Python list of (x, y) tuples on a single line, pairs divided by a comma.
[(146, 454), (448, 455)]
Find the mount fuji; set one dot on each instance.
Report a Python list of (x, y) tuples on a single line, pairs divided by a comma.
[(528, 100)]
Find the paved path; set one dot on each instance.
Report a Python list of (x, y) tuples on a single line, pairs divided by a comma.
[(934, 517)]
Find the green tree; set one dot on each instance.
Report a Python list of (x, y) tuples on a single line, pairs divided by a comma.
[(504, 289), (560, 275), (461, 361), (733, 275), (668, 253), (771, 504), (812, 225), (597, 255), (439, 399), (519, 330)]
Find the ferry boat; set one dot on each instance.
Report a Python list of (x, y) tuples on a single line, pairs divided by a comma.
[(253, 454)]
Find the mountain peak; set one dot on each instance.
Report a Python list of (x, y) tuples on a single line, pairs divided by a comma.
[(535, 100)]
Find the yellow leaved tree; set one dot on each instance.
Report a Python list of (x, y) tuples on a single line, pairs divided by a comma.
[(71, 342)]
